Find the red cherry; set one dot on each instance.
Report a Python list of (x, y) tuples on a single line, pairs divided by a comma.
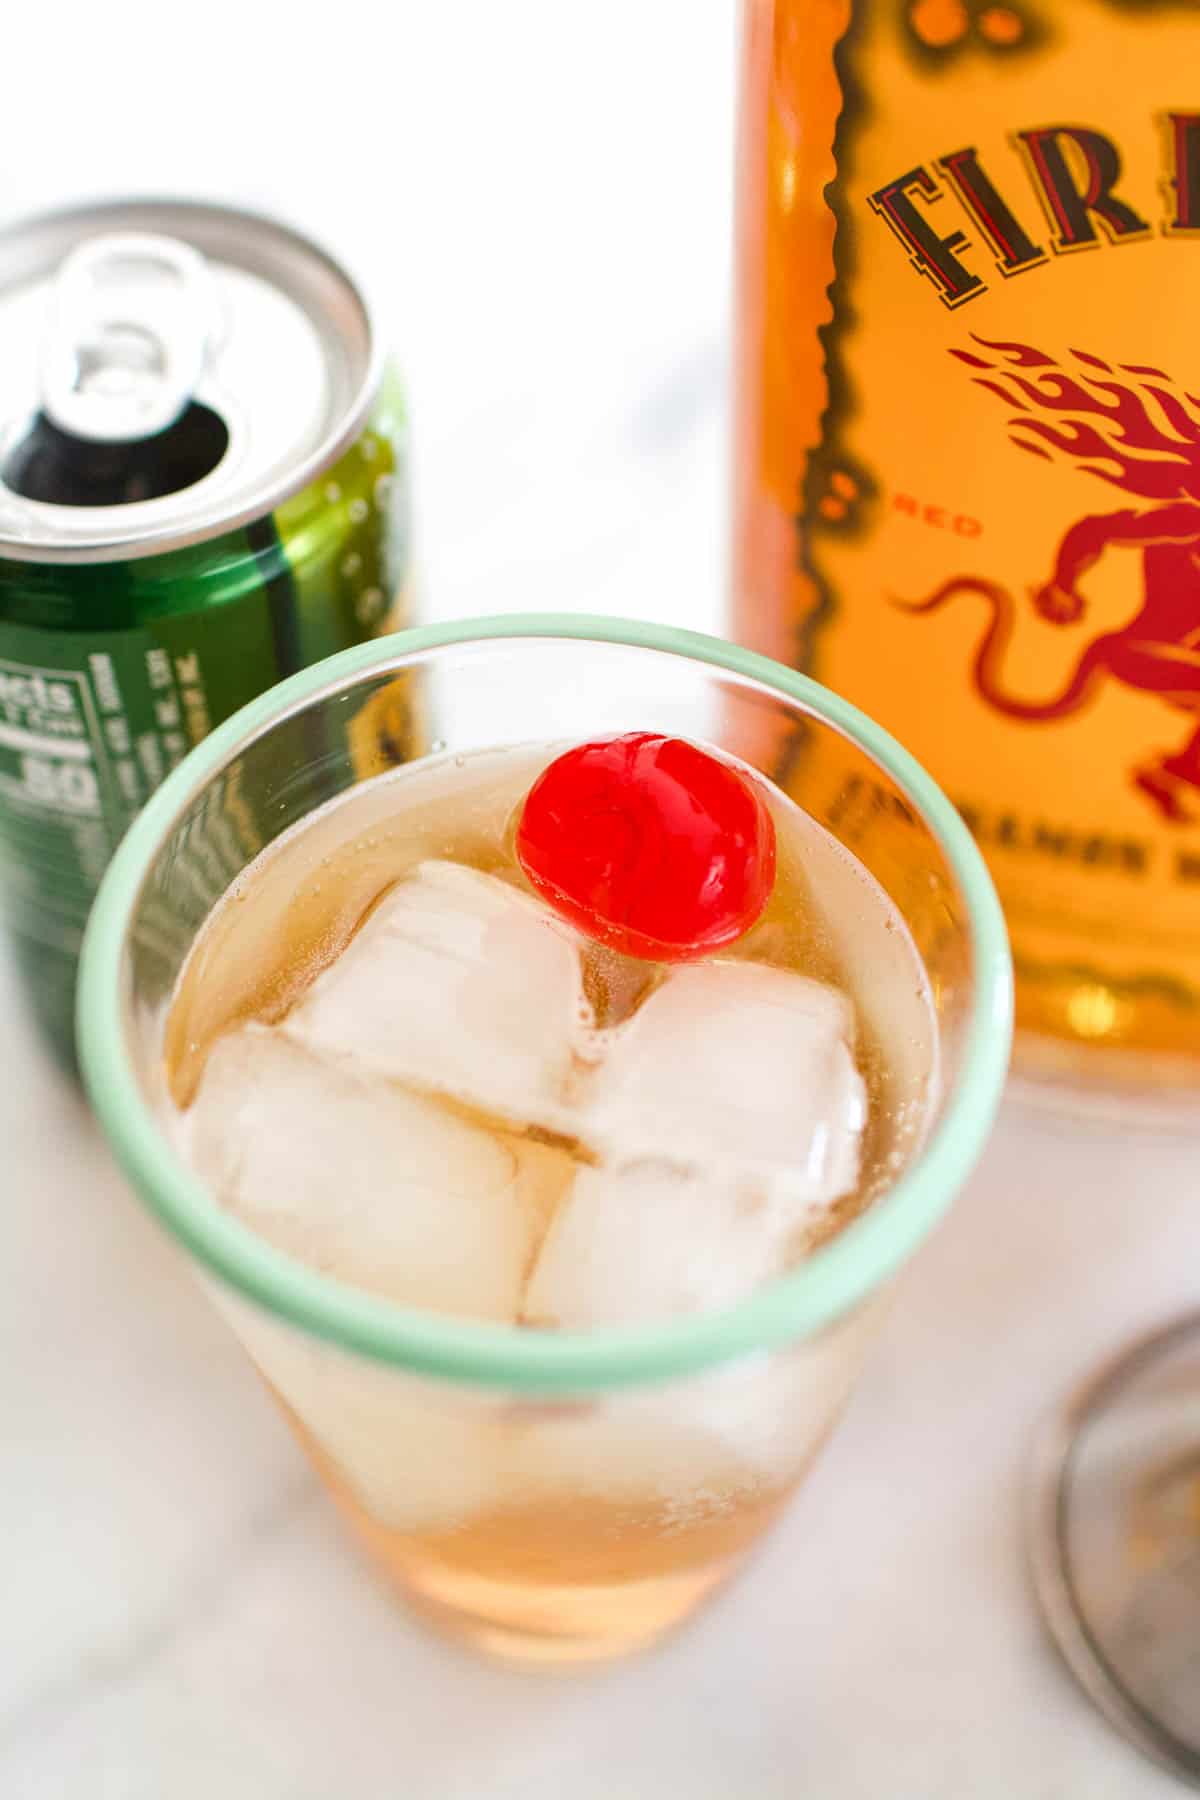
[(649, 845)]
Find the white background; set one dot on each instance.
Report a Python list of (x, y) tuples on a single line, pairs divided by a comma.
[(541, 189), (540, 194)]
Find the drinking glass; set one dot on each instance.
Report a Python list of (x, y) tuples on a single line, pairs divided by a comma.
[(545, 1495)]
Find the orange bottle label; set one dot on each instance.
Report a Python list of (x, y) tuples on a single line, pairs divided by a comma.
[(969, 446)]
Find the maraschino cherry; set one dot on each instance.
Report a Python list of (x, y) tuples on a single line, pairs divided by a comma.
[(649, 845)]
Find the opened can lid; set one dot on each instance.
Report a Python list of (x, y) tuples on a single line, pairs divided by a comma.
[(118, 321)]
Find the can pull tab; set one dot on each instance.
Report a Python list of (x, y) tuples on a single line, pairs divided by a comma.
[(133, 318)]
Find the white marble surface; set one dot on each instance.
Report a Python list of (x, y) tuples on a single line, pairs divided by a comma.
[(543, 187)]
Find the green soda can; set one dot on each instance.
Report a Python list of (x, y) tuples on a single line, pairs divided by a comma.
[(202, 489)]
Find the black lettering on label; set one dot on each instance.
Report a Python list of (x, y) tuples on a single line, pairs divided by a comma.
[(1076, 206), (1011, 244), (1064, 844), (931, 255), (1183, 183)]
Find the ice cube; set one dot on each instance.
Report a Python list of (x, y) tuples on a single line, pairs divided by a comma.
[(418, 1455), (699, 1444), (461, 984), (651, 1241), (364, 1181), (729, 1113), (737, 1070)]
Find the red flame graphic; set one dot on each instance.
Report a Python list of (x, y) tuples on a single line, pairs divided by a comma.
[(1142, 435)]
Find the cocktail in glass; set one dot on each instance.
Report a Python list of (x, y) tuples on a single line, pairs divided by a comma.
[(556, 1443)]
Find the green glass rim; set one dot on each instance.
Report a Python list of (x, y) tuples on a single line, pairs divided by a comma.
[(826, 1285)]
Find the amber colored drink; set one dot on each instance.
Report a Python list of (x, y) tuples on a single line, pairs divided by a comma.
[(556, 1527), (968, 457)]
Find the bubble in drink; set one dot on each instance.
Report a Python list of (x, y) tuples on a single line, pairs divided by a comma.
[(425, 1081)]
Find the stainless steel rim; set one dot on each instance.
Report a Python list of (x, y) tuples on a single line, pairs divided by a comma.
[(1048, 1545)]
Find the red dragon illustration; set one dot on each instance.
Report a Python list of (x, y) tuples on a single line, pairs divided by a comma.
[(1142, 435)]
